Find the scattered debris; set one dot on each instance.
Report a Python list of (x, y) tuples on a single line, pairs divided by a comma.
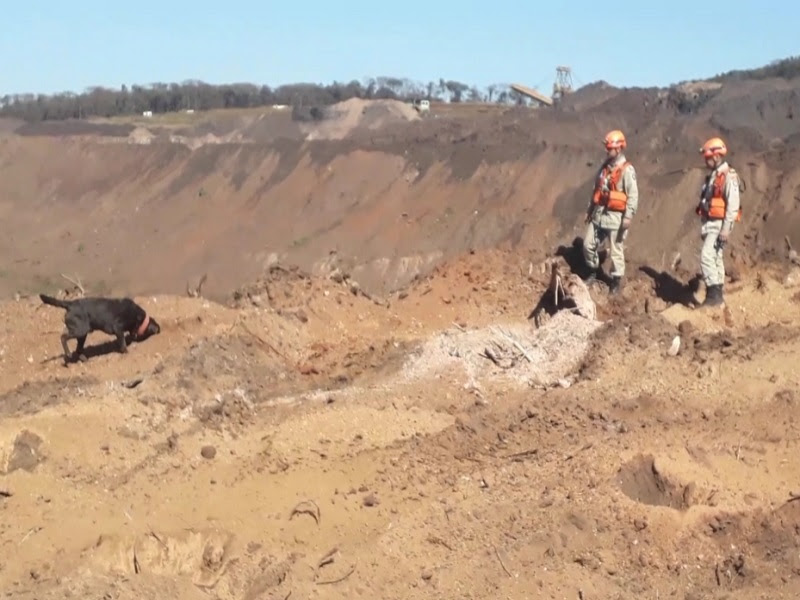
[(531, 356)]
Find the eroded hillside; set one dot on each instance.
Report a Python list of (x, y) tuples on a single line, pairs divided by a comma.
[(140, 210)]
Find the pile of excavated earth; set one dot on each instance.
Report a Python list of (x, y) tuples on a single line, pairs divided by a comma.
[(378, 390)]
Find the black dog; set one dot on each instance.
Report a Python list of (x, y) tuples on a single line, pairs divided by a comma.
[(114, 316)]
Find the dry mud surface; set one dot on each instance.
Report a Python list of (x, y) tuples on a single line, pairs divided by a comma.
[(307, 441)]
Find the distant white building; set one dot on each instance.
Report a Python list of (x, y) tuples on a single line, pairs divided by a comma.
[(147, 113)]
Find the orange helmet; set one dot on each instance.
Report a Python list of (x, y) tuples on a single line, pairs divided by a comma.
[(614, 139), (714, 147)]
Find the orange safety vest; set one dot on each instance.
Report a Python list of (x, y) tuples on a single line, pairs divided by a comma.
[(613, 199), (717, 205)]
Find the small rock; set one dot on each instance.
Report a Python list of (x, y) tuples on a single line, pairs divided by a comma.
[(371, 500), (654, 305), (685, 328), (308, 369), (25, 454), (208, 452), (640, 524), (427, 575), (793, 278), (675, 347)]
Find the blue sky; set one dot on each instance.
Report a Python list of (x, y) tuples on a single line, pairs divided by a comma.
[(50, 46)]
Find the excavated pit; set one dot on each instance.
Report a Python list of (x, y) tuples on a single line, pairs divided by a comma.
[(642, 481)]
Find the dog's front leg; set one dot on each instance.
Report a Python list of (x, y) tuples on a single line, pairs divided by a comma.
[(79, 355)]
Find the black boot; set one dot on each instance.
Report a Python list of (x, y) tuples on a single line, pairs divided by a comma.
[(615, 286), (591, 276), (713, 295)]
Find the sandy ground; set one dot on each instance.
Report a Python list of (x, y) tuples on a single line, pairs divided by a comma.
[(296, 447)]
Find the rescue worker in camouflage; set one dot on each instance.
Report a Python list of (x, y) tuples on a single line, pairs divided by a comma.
[(719, 209), (611, 209)]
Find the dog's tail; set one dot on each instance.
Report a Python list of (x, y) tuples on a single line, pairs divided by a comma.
[(54, 301)]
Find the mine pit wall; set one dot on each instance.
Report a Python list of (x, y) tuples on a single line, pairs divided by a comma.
[(148, 218)]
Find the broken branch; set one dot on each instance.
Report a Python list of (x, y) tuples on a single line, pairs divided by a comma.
[(524, 454), (76, 282), (500, 560), (435, 539), (792, 252), (517, 345), (328, 558), (332, 581), (197, 291), (303, 508)]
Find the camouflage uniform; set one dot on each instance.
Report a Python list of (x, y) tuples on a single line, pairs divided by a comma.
[(607, 224)]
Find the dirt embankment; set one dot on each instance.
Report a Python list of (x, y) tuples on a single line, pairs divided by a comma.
[(391, 201)]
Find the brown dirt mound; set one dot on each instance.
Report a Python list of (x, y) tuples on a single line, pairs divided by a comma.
[(757, 548)]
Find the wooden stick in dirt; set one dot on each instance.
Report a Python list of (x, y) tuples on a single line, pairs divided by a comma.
[(76, 282)]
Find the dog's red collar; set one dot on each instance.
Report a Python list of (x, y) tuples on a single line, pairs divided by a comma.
[(143, 326)]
